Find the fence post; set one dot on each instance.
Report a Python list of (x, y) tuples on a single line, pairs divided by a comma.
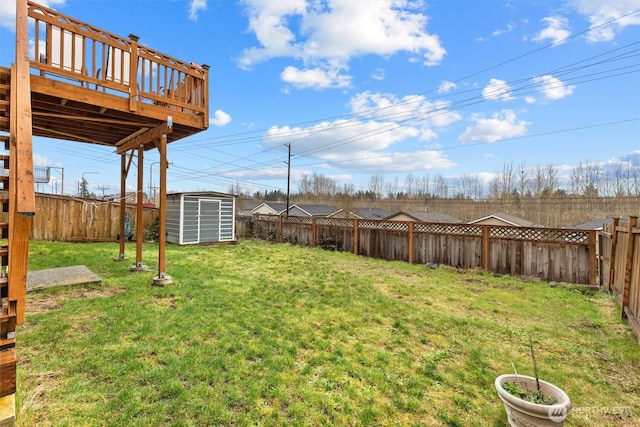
[(485, 247), (356, 235), (592, 257), (628, 268), (410, 236), (614, 244), (313, 232), (280, 228)]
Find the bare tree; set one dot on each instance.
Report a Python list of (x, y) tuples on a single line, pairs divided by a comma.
[(552, 182), (440, 187), (317, 186), (423, 185), (523, 179), (393, 188), (376, 184), (410, 184)]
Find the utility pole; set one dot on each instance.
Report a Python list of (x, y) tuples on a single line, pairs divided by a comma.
[(103, 187), (288, 177)]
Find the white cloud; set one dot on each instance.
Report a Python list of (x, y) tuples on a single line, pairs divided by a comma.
[(598, 12), (552, 87), (327, 37), (499, 126), (40, 160), (497, 33), (195, 7), (220, 118), (8, 10), (510, 27), (415, 109), (387, 134), (556, 30), (315, 78), (378, 74), (446, 86), (497, 90)]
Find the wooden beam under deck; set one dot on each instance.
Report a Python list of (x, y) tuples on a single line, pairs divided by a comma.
[(65, 111)]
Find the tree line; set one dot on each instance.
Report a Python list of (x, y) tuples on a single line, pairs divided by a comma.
[(550, 194)]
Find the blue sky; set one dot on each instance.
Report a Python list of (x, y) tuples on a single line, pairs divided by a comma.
[(387, 87)]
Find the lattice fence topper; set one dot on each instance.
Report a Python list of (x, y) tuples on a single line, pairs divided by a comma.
[(336, 222), (457, 229), (297, 220), (541, 234), (384, 225)]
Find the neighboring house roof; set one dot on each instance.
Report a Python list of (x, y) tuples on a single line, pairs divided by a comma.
[(275, 207), (508, 219), (311, 210), (364, 213), (595, 224), (248, 204), (426, 216), (372, 213)]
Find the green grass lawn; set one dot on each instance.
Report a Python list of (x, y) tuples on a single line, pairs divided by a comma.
[(277, 335)]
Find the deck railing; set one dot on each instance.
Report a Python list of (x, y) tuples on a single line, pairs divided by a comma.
[(76, 52)]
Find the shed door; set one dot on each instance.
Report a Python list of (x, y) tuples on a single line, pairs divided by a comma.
[(209, 221)]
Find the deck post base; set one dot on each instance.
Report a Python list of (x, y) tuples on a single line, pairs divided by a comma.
[(162, 279), (139, 267)]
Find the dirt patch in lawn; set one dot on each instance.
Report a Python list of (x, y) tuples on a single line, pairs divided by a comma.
[(43, 303)]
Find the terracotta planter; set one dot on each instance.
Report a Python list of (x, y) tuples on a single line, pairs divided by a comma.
[(526, 414)]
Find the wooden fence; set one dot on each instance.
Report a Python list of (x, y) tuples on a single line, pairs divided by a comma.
[(559, 255), (620, 267), (60, 218)]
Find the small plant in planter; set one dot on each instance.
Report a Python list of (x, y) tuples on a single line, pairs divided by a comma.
[(530, 401)]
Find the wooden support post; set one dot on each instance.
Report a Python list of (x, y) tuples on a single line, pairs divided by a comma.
[(139, 212), (162, 277), (21, 113), (133, 73), (356, 236), (486, 247), (614, 244), (410, 236), (279, 238), (313, 232), (628, 268), (124, 172), (123, 208), (205, 96), (593, 261)]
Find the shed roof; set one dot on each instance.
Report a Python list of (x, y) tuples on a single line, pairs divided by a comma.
[(201, 193)]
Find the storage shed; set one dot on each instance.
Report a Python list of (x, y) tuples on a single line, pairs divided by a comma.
[(200, 217)]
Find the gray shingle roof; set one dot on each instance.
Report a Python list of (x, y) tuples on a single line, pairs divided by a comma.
[(594, 224), (512, 220), (428, 216)]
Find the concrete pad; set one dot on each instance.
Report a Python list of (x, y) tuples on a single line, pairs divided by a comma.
[(63, 276), (8, 410)]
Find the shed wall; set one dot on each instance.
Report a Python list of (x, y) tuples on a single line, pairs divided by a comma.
[(200, 218)]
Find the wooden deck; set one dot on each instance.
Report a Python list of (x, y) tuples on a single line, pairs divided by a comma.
[(91, 86), (72, 81)]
